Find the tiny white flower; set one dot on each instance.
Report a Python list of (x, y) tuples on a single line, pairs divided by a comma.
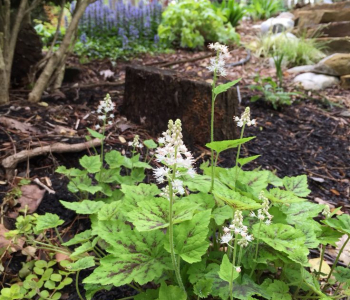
[(268, 222), (111, 116), (226, 230), (252, 214), (97, 126), (110, 122), (238, 269), (226, 238)]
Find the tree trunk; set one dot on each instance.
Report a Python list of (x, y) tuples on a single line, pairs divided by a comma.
[(57, 57), (4, 85), (153, 96)]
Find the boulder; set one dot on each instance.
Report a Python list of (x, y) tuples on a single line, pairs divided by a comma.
[(345, 82), (301, 69), (316, 82), (337, 64), (335, 29), (309, 18), (284, 22)]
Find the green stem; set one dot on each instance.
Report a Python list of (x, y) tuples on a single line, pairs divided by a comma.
[(135, 288), (233, 266), (321, 261), (212, 129), (240, 256), (238, 153), (58, 235), (171, 230), (256, 250), (336, 260), (77, 285)]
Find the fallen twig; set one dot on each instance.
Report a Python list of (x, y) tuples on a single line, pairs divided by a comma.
[(38, 182), (11, 162)]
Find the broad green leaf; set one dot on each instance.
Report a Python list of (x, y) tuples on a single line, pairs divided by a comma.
[(279, 290), (300, 256), (220, 146), (109, 229), (92, 289), (224, 87), (70, 172), (274, 180), (148, 295), (256, 180), (297, 185), (190, 237), (107, 176), (96, 134), (298, 213), (284, 238), (246, 160), (204, 200), (85, 207), (143, 165), (280, 196), (341, 223), (92, 189), (106, 189), (226, 269), (114, 159), (154, 214), (203, 288), (247, 288), (222, 213), (140, 257), (48, 221), (82, 263), (83, 249), (235, 199), (310, 232), (171, 292), (328, 236), (91, 163), (79, 238), (150, 144), (110, 211)]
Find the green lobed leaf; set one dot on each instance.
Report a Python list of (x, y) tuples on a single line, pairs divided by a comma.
[(310, 232), (222, 213), (297, 185), (204, 200), (328, 236), (140, 257), (85, 207), (341, 223), (236, 200), (83, 249), (281, 237), (114, 159), (299, 213), (150, 144), (171, 292), (224, 87), (279, 290), (110, 211), (256, 180), (246, 160), (92, 189), (220, 146), (82, 263), (190, 237), (91, 163), (79, 238), (95, 134), (107, 175), (276, 195), (342, 274), (154, 214), (203, 288), (226, 270), (48, 221)]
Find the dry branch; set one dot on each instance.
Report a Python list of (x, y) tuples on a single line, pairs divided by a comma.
[(11, 162)]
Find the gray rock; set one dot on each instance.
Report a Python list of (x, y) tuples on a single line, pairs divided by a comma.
[(337, 64), (301, 69), (312, 81), (277, 25)]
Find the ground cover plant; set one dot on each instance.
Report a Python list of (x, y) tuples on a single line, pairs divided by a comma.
[(191, 24), (228, 233), (264, 9)]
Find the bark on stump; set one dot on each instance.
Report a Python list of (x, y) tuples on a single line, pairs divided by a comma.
[(153, 96)]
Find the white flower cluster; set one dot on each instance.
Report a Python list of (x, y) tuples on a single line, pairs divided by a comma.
[(106, 106), (217, 64), (245, 118), (239, 230), (135, 143), (173, 154), (263, 213)]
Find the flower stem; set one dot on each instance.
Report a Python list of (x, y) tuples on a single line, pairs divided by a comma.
[(213, 96), (321, 261), (256, 250), (238, 153), (171, 230), (233, 266), (77, 285)]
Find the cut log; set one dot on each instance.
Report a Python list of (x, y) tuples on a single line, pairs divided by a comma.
[(153, 96)]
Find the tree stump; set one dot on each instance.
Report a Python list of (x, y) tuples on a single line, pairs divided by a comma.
[(153, 96)]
